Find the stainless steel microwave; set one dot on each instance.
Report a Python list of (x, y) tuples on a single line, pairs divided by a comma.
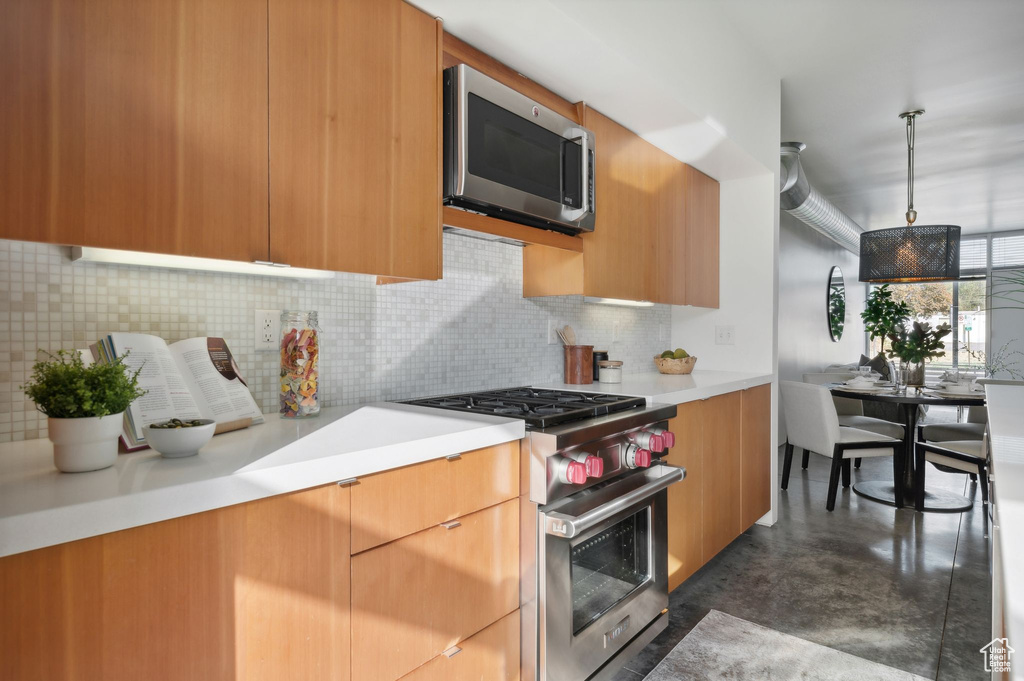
[(510, 157)]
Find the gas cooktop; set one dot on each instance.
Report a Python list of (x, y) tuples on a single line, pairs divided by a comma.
[(539, 408)]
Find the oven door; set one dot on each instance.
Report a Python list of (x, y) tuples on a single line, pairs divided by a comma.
[(506, 152), (603, 573)]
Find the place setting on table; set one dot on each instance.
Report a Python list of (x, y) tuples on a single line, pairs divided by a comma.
[(953, 389)]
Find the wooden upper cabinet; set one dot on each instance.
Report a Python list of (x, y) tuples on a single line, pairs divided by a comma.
[(139, 126), (355, 137), (701, 263), (618, 255), (656, 233)]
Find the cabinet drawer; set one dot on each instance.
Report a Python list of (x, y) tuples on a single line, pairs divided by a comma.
[(416, 597), (491, 655), (397, 503)]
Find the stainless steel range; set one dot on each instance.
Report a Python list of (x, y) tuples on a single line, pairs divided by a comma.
[(594, 544)]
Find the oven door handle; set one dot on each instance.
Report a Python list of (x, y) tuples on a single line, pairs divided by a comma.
[(567, 526)]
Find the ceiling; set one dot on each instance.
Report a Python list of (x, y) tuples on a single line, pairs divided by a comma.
[(849, 68), (690, 75)]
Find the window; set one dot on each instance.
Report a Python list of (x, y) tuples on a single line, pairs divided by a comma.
[(973, 256), (960, 304), (1007, 251)]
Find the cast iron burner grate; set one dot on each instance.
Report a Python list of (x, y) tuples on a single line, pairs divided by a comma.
[(539, 408)]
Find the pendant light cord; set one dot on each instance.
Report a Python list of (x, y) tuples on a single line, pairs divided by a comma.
[(911, 116)]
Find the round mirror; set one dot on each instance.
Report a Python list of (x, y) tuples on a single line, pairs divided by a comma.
[(835, 305)]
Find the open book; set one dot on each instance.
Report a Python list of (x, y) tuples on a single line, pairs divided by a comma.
[(193, 378)]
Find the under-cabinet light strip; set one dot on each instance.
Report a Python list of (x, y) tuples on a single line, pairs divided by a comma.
[(618, 301), (183, 262)]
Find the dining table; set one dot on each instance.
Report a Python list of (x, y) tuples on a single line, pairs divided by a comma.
[(909, 398)]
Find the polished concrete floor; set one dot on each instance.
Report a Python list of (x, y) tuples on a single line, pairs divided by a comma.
[(909, 590)]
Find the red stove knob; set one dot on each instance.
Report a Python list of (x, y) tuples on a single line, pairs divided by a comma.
[(637, 457), (571, 472), (594, 466), (575, 473), (647, 440), (667, 435)]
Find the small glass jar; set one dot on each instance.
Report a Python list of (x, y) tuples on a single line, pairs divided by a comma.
[(610, 371), (300, 365)]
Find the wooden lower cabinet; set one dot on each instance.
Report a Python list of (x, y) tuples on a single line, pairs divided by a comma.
[(724, 443), (491, 655), (253, 591), (686, 499), (418, 596), (721, 468), (756, 454), (398, 502)]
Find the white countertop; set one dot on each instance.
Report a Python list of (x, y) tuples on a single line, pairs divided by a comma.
[(1006, 420), (40, 506), (667, 389)]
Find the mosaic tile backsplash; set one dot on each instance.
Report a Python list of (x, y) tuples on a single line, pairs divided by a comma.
[(472, 330)]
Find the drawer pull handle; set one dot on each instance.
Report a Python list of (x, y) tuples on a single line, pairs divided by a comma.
[(347, 481), (453, 457), (451, 524), (452, 652)]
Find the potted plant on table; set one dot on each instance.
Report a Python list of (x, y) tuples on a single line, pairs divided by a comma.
[(884, 316), (85, 406), (915, 345)]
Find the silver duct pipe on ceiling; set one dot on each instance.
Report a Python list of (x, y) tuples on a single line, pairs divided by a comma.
[(799, 199)]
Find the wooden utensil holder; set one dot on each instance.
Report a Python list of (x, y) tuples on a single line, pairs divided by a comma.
[(579, 364)]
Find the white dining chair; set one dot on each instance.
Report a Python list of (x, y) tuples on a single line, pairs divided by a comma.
[(967, 456), (851, 412), (972, 429), (812, 423)]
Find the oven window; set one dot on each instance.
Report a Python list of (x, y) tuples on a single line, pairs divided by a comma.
[(609, 566), (510, 150)]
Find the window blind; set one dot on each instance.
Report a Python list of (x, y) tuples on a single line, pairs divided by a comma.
[(973, 256), (1008, 251)]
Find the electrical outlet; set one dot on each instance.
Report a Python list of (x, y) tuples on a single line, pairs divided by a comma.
[(267, 326), (615, 331), (725, 335)]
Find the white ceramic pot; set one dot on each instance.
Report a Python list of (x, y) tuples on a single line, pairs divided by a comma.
[(86, 444)]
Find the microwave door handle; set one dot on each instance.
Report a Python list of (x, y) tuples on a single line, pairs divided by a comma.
[(582, 139), (567, 526)]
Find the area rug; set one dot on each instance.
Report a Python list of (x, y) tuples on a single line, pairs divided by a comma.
[(725, 647)]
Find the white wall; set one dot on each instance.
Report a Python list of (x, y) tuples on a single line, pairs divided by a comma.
[(679, 75), (805, 260), (746, 291), (1006, 319)]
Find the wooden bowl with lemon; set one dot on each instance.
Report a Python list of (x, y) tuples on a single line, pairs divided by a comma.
[(676, 362)]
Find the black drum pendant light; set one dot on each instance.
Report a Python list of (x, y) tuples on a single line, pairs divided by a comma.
[(912, 253)]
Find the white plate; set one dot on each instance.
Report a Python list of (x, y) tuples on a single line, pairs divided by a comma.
[(944, 393), (866, 389)]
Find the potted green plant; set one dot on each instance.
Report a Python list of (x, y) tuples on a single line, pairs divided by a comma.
[(85, 406), (915, 345), (884, 316)]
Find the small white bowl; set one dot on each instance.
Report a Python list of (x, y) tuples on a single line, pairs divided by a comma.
[(175, 443), (958, 388)]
